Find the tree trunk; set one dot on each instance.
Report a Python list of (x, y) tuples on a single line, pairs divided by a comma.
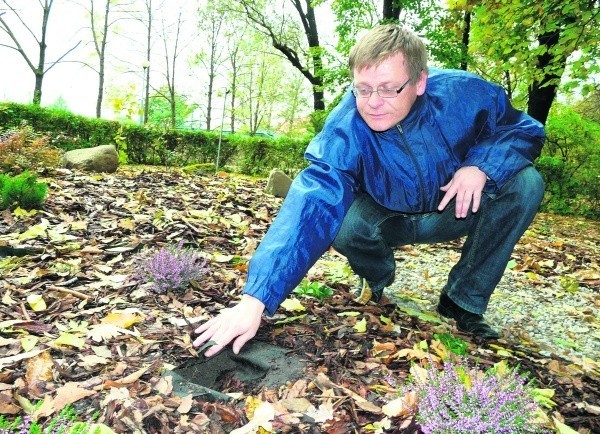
[(465, 41), (543, 91), (39, 74), (37, 92), (391, 10)]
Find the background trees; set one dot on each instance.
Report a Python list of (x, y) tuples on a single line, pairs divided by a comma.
[(26, 35), (278, 66)]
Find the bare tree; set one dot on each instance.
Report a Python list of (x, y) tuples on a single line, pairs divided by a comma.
[(211, 22), (42, 67), (147, 21), (100, 32), (173, 47), (234, 35), (285, 35)]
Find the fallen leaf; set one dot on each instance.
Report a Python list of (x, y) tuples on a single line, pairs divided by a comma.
[(70, 340), (105, 332), (361, 326), (121, 319), (293, 305), (67, 394), (39, 368), (561, 428), (186, 404), (36, 302), (29, 342)]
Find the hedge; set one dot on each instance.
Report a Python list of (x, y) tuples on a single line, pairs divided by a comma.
[(150, 145)]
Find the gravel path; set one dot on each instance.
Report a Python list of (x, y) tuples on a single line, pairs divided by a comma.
[(527, 307)]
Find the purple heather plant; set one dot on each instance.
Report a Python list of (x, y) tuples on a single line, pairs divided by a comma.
[(173, 268), (459, 400)]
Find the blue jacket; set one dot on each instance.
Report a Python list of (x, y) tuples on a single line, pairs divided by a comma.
[(460, 120)]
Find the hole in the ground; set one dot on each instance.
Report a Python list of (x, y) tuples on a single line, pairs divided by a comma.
[(259, 364)]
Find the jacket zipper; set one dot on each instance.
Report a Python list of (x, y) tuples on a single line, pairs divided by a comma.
[(414, 162)]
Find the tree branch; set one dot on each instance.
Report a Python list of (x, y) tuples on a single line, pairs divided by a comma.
[(61, 57)]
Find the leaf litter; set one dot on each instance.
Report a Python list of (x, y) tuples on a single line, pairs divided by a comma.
[(76, 328)]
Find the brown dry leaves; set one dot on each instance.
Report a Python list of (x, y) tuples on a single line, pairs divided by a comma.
[(101, 340)]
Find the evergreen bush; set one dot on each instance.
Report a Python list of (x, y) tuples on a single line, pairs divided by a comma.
[(22, 190)]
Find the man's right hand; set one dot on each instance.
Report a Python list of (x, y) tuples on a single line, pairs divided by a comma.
[(240, 322)]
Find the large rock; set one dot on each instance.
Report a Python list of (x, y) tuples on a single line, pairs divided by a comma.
[(278, 184), (102, 158)]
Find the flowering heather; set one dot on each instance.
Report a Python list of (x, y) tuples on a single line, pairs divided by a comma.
[(459, 400), (172, 267)]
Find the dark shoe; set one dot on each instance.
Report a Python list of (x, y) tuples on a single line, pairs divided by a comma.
[(466, 321)]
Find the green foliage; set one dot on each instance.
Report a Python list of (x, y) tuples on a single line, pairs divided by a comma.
[(258, 155), (23, 149), (64, 129), (65, 422), (570, 164), (313, 289), (453, 344), (150, 144), (513, 59), (160, 112), (22, 190)]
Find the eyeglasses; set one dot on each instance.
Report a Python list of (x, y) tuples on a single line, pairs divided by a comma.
[(384, 92)]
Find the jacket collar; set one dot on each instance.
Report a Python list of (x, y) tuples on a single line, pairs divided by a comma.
[(415, 112)]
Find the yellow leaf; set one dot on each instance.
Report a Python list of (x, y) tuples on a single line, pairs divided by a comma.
[(293, 305), (361, 326), (348, 314), (36, 302), (127, 224), (79, 225), (561, 428), (501, 368), (7, 299), (218, 257), (385, 319), (70, 339), (19, 212), (29, 342), (419, 374), (121, 319), (58, 237), (35, 231), (543, 397)]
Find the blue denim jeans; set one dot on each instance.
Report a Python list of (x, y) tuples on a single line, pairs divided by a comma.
[(370, 232)]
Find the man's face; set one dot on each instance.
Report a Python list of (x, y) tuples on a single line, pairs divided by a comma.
[(379, 113)]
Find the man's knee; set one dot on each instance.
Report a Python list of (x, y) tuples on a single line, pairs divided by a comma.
[(528, 187), (346, 236), (531, 186)]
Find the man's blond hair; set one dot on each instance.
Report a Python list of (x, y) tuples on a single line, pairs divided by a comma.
[(384, 41)]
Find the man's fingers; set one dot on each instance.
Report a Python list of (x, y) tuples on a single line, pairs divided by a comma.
[(241, 341), (476, 200), (213, 350)]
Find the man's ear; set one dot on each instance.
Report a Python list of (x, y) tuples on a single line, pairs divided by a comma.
[(422, 83)]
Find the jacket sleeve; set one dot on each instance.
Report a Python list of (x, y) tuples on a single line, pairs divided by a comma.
[(511, 141), (307, 222)]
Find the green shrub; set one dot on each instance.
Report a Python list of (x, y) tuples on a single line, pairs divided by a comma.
[(313, 289), (23, 149), (65, 422), (22, 190), (570, 163)]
